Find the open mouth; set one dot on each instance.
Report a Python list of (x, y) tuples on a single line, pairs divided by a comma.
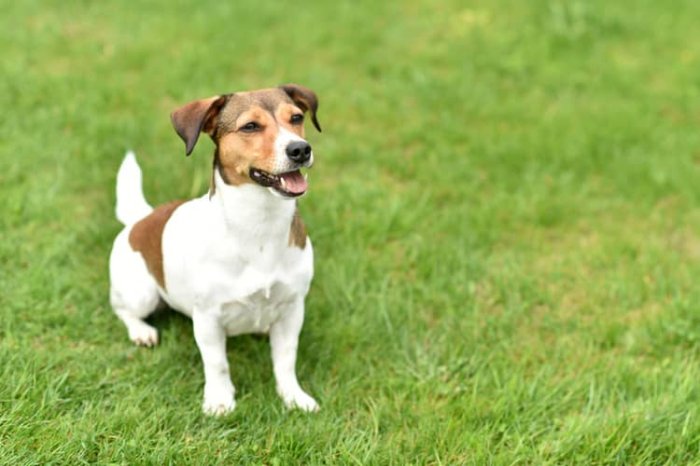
[(290, 184)]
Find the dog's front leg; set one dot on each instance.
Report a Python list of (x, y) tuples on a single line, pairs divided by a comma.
[(284, 338), (211, 340)]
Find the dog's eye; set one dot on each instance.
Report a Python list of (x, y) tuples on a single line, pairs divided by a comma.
[(250, 127), (297, 119)]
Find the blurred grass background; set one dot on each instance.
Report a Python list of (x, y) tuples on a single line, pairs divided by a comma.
[(504, 211)]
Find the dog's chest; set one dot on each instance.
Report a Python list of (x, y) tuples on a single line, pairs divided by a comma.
[(255, 312), (250, 288), (268, 286), (247, 275), (248, 296)]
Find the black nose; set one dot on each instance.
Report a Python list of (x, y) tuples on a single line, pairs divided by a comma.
[(299, 151)]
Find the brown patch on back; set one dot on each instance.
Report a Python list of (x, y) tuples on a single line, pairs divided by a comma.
[(297, 231), (146, 237)]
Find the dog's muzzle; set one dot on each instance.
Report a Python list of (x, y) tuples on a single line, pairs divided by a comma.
[(288, 184)]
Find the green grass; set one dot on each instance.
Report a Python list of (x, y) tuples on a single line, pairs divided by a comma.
[(505, 211)]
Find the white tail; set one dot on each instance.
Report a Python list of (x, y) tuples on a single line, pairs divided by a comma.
[(131, 205)]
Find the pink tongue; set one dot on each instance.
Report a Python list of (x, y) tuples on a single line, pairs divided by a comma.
[(294, 182)]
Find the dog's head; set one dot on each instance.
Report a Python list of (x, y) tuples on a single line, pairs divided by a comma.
[(259, 135)]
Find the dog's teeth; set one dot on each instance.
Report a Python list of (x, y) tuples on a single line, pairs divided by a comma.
[(284, 183), (306, 177)]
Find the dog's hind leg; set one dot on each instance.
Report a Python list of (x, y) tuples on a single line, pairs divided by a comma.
[(140, 332), (133, 292)]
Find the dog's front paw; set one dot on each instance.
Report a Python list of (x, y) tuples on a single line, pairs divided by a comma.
[(218, 402), (218, 407), (301, 400)]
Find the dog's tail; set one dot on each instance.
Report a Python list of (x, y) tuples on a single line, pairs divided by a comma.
[(131, 205)]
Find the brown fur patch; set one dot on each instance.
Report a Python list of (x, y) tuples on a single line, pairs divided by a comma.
[(297, 231), (237, 152), (146, 237)]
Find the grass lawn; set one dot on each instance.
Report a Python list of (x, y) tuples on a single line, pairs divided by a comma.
[(505, 211)]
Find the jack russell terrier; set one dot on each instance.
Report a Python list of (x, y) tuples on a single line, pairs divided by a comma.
[(236, 260)]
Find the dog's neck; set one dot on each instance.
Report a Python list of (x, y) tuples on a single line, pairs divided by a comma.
[(253, 211)]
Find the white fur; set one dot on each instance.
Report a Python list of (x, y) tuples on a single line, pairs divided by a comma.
[(131, 205), (229, 266)]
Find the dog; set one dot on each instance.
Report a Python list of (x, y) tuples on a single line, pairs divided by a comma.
[(236, 260)]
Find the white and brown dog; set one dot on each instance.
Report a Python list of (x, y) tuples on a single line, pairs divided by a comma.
[(236, 260)]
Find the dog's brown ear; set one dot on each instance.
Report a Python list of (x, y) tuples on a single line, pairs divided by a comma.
[(305, 99), (196, 117)]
